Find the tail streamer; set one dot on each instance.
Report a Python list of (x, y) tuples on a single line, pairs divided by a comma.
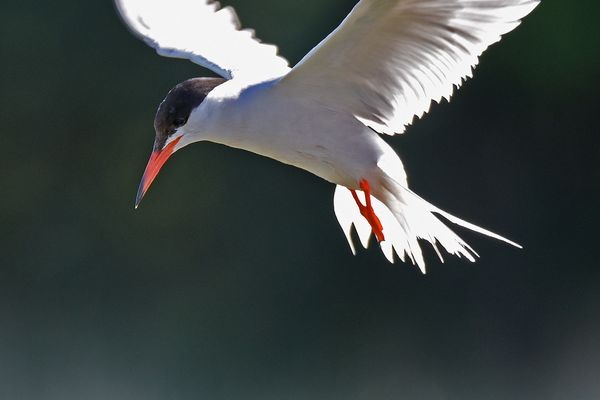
[(405, 218)]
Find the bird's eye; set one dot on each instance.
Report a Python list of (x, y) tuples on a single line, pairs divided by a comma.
[(180, 121)]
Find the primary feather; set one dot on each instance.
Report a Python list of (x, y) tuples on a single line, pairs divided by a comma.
[(389, 59), (204, 33)]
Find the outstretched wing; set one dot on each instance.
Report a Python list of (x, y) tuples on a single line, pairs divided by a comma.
[(204, 33), (389, 59)]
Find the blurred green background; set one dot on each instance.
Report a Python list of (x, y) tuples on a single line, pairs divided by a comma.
[(233, 279)]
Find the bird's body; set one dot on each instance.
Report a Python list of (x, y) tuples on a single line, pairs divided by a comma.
[(261, 119), (379, 69)]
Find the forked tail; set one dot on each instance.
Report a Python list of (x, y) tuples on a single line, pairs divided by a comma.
[(405, 218)]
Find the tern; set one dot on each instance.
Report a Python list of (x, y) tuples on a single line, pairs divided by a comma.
[(380, 69)]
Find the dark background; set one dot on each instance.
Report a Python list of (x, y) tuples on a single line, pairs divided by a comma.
[(234, 281)]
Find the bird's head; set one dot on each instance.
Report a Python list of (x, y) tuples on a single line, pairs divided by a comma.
[(171, 126)]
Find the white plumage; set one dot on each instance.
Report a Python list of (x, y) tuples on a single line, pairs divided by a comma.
[(389, 59), (384, 65), (204, 33)]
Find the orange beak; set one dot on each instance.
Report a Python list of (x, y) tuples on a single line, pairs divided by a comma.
[(158, 158)]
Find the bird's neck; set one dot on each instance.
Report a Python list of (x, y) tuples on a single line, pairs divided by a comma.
[(230, 114)]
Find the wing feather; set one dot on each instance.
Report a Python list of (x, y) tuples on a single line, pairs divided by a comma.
[(389, 59), (205, 33)]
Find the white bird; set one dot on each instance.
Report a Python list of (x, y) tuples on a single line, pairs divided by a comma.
[(378, 70)]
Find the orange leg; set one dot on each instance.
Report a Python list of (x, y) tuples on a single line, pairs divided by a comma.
[(367, 211)]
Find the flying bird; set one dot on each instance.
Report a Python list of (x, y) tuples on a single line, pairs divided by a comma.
[(381, 68)]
